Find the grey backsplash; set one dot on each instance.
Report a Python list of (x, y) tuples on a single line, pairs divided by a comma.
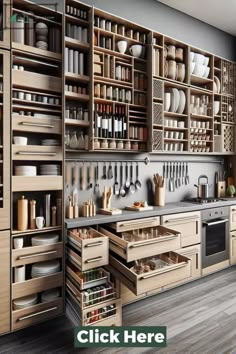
[(146, 177)]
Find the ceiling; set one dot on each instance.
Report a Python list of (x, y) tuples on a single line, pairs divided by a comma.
[(218, 13)]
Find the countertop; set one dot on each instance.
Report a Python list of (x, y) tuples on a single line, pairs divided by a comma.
[(170, 208)]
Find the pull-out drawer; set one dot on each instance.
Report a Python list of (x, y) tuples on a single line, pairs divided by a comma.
[(147, 242), (36, 313), (188, 224), (135, 224), (87, 253), (37, 153), (87, 279), (171, 267), (233, 247), (29, 124), (104, 314), (36, 285), (232, 218), (28, 255)]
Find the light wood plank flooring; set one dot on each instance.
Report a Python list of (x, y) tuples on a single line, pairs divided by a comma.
[(200, 319)]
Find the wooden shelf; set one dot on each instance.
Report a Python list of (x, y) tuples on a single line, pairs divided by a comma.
[(118, 83), (174, 128), (117, 54), (104, 100), (75, 43), (200, 80), (45, 18), (118, 36), (76, 96), (37, 51), (173, 114), (35, 103), (78, 123), (76, 77), (34, 81), (36, 231), (198, 116), (34, 108), (175, 140), (36, 183), (76, 20)]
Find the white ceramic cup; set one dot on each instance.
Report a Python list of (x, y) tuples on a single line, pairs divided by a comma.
[(175, 123), (19, 274), (167, 101), (18, 242), (199, 58), (40, 222), (176, 135), (122, 46), (199, 70), (136, 50), (15, 67), (20, 140), (181, 124), (207, 72), (21, 95), (28, 96), (192, 66), (191, 56), (21, 68), (216, 107), (206, 61), (171, 135)]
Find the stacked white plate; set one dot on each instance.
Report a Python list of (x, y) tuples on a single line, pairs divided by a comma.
[(42, 269), (25, 171), (50, 295), (25, 301), (42, 240), (50, 170), (50, 142), (177, 101)]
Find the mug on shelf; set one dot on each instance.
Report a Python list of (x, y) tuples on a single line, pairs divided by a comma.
[(19, 274), (40, 222), (136, 50), (18, 242)]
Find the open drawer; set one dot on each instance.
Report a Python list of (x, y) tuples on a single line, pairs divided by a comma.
[(135, 224), (28, 255), (144, 242), (36, 313), (87, 279), (87, 253), (104, 314), (170, 267)]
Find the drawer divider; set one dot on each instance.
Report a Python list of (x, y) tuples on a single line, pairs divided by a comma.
[(162, 239), (163, 271)]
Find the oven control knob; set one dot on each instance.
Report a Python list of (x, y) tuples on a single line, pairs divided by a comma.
[(210, 214), (222, 213), (216, 212)]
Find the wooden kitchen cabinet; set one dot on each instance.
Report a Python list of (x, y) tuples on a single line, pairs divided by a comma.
[(5, 281), (233, 247), (232, 223), (187, 224)]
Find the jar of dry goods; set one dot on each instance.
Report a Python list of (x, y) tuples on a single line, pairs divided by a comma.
[(112, 144), (120, 145), (96, 144), (127, 145), (104, 144)]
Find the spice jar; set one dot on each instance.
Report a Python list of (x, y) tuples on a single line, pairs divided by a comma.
[(120, 145), (104, 144), (134, 145), (96, 144), (127, 145), (112, 144)]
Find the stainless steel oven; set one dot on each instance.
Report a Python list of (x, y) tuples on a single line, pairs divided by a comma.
[(215, 236)]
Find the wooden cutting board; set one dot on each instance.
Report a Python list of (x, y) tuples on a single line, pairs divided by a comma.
[(132, 208)]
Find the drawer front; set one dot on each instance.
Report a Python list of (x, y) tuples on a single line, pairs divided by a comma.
[(34, 254), (194, 254), (135, 224), (37, 153), (36, 125), (5, 288), (233, 247), (131, 251), (146, 282), (40, 312), (33, 286), (232, 218), (188, 224), (85, 263), (36, 81), (36, 183)]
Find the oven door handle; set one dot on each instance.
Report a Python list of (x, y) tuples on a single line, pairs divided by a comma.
[(222, 221)]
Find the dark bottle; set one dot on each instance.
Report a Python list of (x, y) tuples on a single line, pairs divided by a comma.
[(124, 122), (109, 117), (104, 122), (116, 123), (98, 121)]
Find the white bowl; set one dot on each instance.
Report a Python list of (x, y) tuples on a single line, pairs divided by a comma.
[(192, 66), (199, 70), (199, 58), (207, 72), (136, 50), (206, 61), (216, 107), (192, 56), (20, 140)]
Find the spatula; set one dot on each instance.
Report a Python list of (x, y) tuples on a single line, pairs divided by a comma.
[(116, 184)]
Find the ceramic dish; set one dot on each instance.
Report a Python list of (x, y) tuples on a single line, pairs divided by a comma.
[(217, 82), (182, 102)]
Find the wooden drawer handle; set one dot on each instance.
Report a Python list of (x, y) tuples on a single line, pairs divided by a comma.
[(153, 242), (38, 153), (40, 125), (233, 236), (37, 314), (194, 217), (36, 255), (91, 260), (163, 271), (93, 244), (135, 222)]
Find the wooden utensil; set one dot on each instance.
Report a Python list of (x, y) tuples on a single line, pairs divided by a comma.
[(83, 177)]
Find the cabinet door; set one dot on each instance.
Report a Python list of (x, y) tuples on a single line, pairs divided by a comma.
[(5, 141), (232, 224), (5, 281), (187, 224), (233, 247)]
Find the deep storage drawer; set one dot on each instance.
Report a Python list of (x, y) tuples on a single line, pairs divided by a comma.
[(156, 240), (36, 313), (28, 255), (232, 225), (178, 267), (37, 153), (87, 279), (135, 224), (36, 125), (87, 253), (188, 224)]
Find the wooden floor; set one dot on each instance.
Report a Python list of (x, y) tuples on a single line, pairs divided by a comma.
[(200, 319)]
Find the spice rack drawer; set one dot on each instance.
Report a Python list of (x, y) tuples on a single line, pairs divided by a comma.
[(88, 253), (97, 315), (232, 218), (29, 255), (135, 224), (36, 183), (33, 314), (37, 153), (33, 286), (165, 240), (28, 79), (188, 224), (144, 282), (87, 279), (36, 125)]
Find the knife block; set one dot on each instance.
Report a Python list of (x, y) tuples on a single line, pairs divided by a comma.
[(221, 189), (159, 196)]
